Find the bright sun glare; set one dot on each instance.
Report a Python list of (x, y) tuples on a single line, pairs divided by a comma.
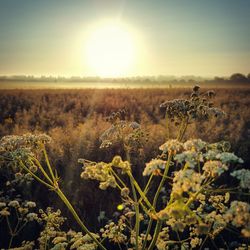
[(110, 50)]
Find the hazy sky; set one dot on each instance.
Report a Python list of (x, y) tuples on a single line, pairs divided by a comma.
[(171, 37)]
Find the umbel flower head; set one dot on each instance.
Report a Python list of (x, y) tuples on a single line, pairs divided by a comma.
[(16, 148), (197, 107), (11, 143), (122, 132), (101, 172)]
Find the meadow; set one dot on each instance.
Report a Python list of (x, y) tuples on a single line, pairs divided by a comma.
[(76, 119)]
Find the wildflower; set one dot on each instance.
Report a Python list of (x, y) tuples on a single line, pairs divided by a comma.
[(214, 168), (191, 157), (31, 216), (4, 212), (114, 232), (23, 210), (239, 215), (186, 181), (195, 108), (101, 172), (14, 203), (119, 163), (171, 146), (2, 204), (31, 141), (154, 165), (227, 158), (30, 204), (125, 192), (163, 237), (195, 242), (59, 239), (116, 161), (243, 175), (195, 144)]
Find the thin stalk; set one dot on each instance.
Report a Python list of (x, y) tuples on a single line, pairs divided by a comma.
[(140, 191), (156, 234), (35, 176), (11, 240), (167, 126), (42, 170), (118, 178), (77, 218), (183, 129), (147, 233), (20, 228), (180, 130), (156, 197), (137, 215), (163, 179), (48, 163), (147, 186), (11, 232)]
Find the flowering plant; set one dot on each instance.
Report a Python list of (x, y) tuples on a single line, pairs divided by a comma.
[(185, 203)]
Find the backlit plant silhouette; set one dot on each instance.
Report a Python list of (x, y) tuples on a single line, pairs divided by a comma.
[(186, 202)]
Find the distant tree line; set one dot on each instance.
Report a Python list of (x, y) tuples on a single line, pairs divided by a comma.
[(234, 78)]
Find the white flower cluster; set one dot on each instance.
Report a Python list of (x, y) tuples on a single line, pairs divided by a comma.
[(243, 175), (153, 166), (115, 232), (191, 157), (186, 181), (31, 141), (22, 209), (214, 168), (162, 241), (173, 146), (239, 215), (100, 171), (195, 145)]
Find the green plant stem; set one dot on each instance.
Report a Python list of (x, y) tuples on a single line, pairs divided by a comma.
[(167, 126), (162, 180), (77, 218), (35, 176), (11, 240), (137, 215), (156, 197), (156, 234), (11, 232), (118, 178), (147, 233), (42, 170), (182, 129), (48, 163), (142, 194)]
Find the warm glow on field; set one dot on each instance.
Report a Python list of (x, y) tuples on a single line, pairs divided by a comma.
[(110, 50)]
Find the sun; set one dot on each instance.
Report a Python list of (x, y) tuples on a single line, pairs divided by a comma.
[(110, 50)]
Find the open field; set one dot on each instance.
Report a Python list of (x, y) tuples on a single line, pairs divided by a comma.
[(75, 119), (128, 83)]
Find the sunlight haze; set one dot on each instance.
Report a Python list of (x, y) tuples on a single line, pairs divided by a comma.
[(70, 38)]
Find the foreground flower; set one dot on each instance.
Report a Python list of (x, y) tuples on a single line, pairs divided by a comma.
[(243, 175), (153, 166)]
